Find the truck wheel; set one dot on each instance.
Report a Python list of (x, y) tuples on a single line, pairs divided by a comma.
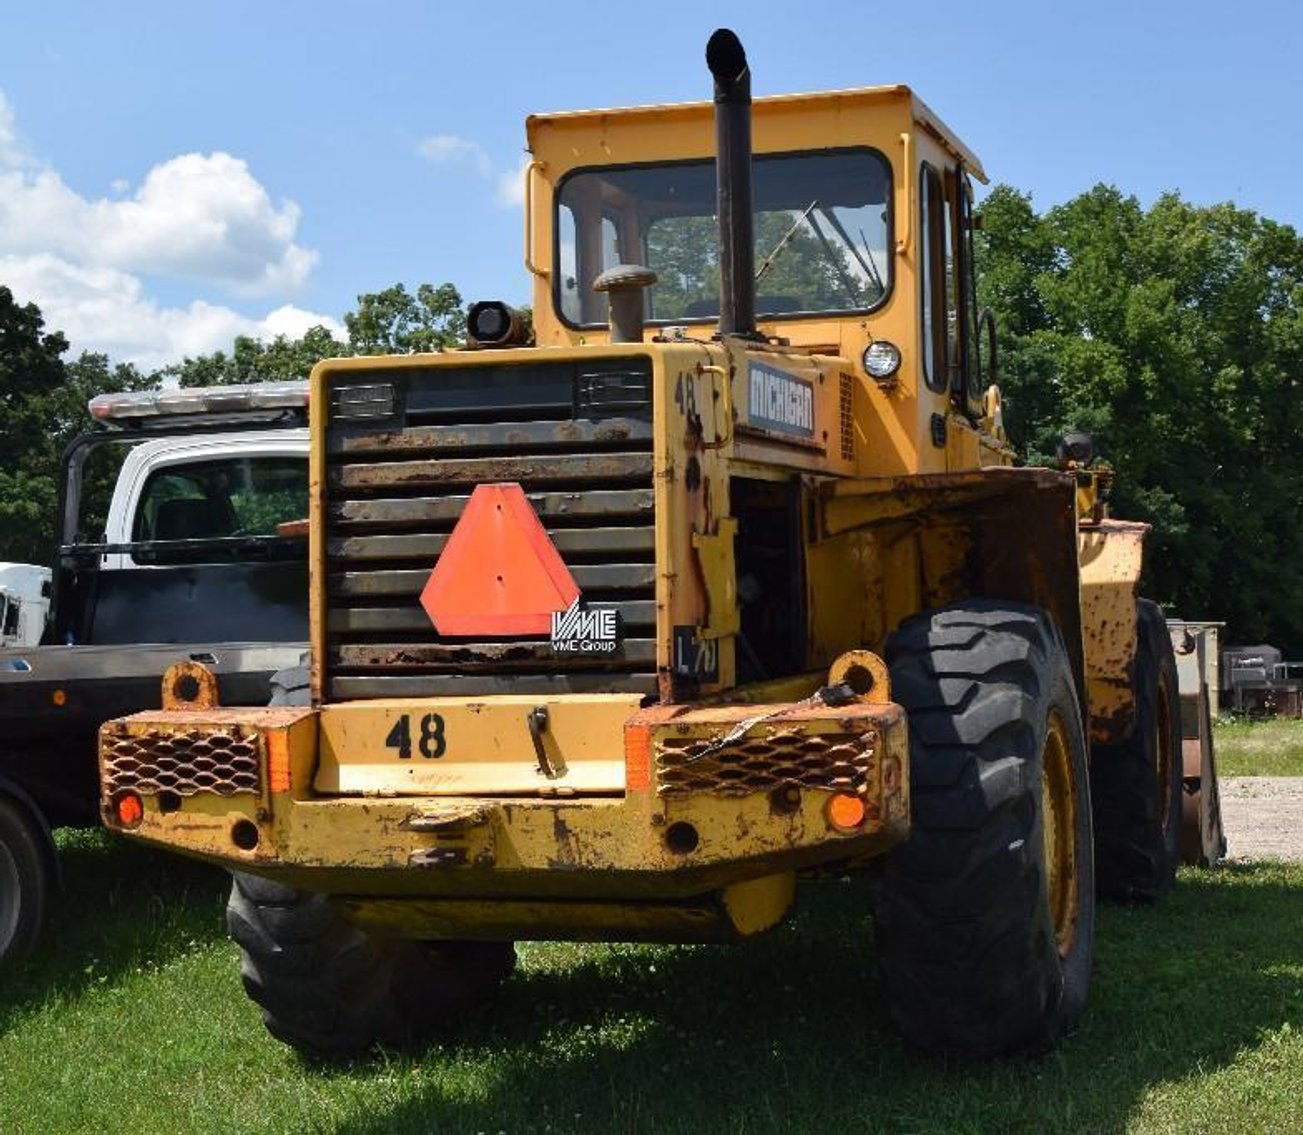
[(328, 988), (985, 917), (1136, 786), (24, 882)]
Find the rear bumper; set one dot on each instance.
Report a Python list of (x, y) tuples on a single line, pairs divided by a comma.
[(695, 818)]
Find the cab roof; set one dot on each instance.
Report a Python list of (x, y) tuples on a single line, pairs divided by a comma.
[(820, 102)]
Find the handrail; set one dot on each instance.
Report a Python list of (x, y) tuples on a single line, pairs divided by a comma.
[(907, 179), (529, 218)]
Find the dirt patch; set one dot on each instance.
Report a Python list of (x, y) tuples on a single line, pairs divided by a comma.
[(1263, 817)]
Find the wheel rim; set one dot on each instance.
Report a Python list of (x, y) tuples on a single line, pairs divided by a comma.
[(1163, 745), (10, 900), (1059, 827)]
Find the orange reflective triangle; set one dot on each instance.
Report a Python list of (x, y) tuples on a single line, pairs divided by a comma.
[(500, 573)]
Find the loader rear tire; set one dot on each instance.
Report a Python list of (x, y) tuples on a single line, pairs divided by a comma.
[(985, 916), (1136, 786), (329, 988)]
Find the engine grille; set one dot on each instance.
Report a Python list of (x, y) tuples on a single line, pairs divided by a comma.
[(836, 762), (224, 762), (405, 448)]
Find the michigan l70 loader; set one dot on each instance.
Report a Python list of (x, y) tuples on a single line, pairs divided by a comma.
[(727, 579)]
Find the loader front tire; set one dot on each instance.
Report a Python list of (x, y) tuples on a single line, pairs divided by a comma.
[(1136, 785), (329, 988), (985, 916)]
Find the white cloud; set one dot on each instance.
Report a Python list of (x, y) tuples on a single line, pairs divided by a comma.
[(511, 186), (195, 217), (443, 149), (199, 217), (104, 309), (450, 149), (11, 150)]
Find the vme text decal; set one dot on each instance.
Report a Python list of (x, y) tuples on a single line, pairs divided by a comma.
[(577, 630), (778, 401)]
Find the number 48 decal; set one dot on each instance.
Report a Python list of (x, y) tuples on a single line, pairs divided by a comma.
[(430, 742)]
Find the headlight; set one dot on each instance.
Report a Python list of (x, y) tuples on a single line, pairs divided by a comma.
[(881, 359)]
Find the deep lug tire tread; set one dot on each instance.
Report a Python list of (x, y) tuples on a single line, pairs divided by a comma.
[(329, 988), (964, 932)]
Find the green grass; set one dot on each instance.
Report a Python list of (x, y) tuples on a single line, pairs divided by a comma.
[(132, 1019), (1271, 747)]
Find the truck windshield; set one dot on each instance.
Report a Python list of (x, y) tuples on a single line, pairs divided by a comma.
[(822, 231)]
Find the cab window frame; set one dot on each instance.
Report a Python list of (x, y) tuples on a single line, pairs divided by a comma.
[(889, 223)]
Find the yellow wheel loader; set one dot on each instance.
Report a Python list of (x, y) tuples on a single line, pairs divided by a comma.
[(725, 579)]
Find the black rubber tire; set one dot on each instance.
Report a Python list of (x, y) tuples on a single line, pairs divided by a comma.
[(24, 881), (329, 988), (291, 687), (965, 934), (1137, 848)]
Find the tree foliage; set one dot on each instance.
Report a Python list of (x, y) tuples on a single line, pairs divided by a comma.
[(1174, 335), (389, 322), (42, 408), (396, 322)]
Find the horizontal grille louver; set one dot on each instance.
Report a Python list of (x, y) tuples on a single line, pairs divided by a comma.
[(394, 489)]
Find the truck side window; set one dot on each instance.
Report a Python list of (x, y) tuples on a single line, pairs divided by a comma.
[(213, 499)]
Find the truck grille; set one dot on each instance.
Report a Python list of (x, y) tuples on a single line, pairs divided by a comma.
[(406, 447)]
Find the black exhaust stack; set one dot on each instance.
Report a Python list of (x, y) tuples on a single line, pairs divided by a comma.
[(737, 272)]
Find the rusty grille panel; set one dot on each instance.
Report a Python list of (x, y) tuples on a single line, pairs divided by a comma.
[(224, 762), (836, 762), (575, 435)]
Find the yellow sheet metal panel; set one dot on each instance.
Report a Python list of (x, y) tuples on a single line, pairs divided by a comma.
[(1111, 556), (460, 746)]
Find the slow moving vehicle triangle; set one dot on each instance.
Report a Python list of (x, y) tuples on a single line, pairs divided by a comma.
[(499, 573)]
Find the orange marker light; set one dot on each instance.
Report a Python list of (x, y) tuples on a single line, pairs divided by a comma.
[(130, 810), (845, 812), (637, 758), (278, 760), (59, 697)]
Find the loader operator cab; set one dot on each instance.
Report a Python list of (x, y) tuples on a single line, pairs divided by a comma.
[(861, 234)]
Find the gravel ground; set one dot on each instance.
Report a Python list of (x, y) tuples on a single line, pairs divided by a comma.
[(1263, 817)]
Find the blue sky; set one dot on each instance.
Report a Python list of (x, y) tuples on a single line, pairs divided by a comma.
[(173, 174)]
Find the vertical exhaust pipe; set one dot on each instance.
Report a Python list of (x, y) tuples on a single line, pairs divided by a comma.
[(737, 288)]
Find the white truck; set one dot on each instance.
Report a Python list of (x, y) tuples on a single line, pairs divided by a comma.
[(24, 603), (201, 555)]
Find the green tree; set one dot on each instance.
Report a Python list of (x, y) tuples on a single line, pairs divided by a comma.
[(1174, 335), (252, 360), (396, 322), (42, 409)]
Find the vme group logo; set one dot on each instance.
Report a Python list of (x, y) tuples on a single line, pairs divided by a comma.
[(578, 630)]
